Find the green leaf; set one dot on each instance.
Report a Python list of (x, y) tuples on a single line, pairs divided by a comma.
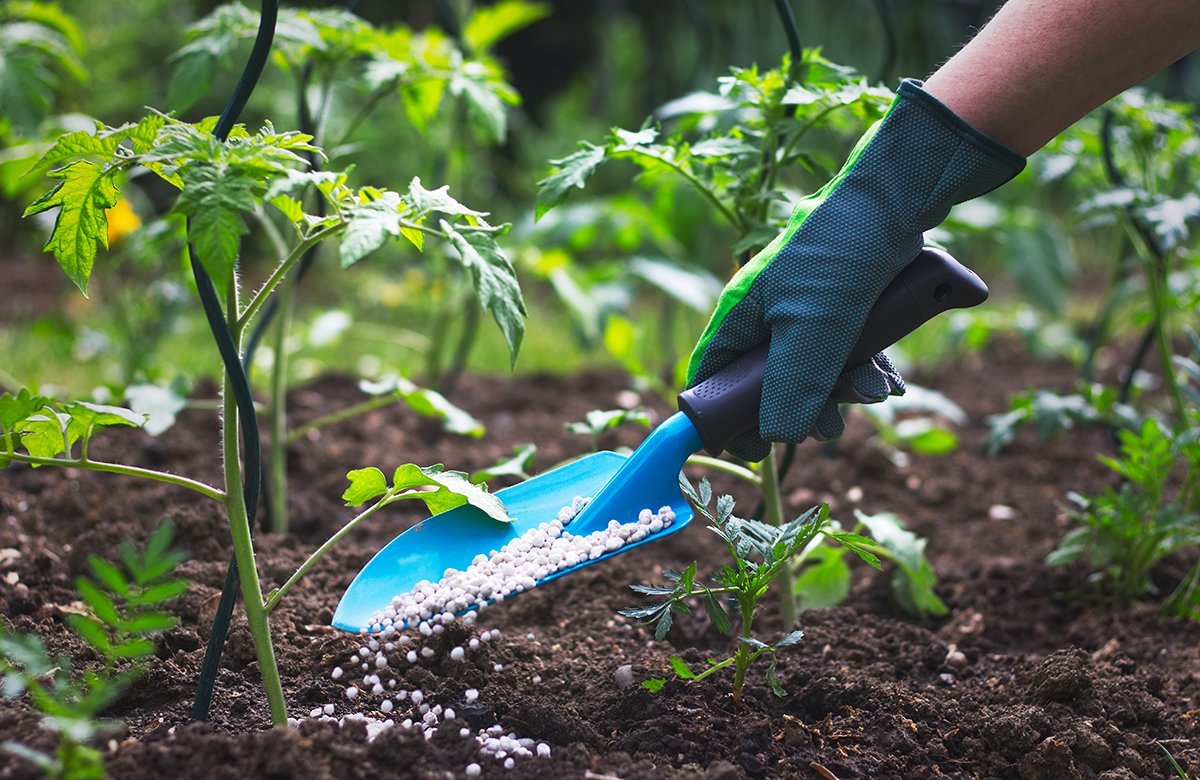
[(790, 639), (451, 489), (913, 583), (494, 279), (16, 408), (426, 201), (214, 199), (517, 466), (485, 98), (859, 544), (91, 631), (597, 421), (825, 583), (570, 171), (133, 648), (112, 576), (716, 613), (159, 405), (98, 600), (490, 24), (48, 434), (681, 668), (149, 623), (365, 485), (84, 192), (39, 759), (370, 225), (654, 684), (162, 592), (428, 403), (773, 679)]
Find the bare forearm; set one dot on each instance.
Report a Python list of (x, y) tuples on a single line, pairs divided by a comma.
[(1040, 65)]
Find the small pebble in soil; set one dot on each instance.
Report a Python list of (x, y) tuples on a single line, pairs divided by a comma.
[(474, 770), (337, 673), (351, 693), (471, 695), (956, 659), (1001, 512), (624, 676)]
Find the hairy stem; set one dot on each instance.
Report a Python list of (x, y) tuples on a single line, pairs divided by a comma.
[(332, 418), (264, 293), (278, 438), (283, 589), (243, 545)]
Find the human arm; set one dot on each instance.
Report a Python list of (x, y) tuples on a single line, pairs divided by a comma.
[(1035, 69), (1040, 65)]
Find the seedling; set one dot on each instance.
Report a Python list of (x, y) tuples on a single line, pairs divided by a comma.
[(1125, 531), (121, 620), (597, 422), (760, 554), (220, 182)]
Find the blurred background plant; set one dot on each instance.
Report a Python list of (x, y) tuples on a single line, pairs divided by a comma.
[(631, 274)]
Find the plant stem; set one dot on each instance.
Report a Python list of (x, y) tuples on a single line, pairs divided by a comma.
[(243, 545), (773, 514), (260, 297), (733, 469), (278, 438), (119, 468), (278, 594), (342, 414), (732, 218), (741, 657)]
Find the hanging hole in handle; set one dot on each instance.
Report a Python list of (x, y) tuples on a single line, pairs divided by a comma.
[(942, 292)]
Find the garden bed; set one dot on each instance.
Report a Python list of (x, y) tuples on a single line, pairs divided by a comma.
[(1049, 685)]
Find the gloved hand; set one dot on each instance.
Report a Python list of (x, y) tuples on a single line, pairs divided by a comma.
[(810, 290)]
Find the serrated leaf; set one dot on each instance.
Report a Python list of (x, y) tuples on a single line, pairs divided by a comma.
[(451, 489), (485, 102), (428, 403), (773, 679), (790, 639), (214, 200), (494, 279), (859, 544), (426, 201), (681, 668), (663, 626), (370, 226), (83, 195), (723, 146), (654, 684), (716, 613), (571, 171), (365, 485)]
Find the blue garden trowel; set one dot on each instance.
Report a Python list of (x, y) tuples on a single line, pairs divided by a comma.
[(711, 414)]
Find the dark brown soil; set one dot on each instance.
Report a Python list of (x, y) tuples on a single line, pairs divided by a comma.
[(1052, 686)]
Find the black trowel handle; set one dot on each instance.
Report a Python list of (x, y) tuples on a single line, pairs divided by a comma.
[(725, 405)]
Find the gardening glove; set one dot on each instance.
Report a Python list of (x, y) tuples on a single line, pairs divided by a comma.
[(810, 290)]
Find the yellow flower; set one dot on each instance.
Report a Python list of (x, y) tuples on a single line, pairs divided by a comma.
[(122, 220)]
